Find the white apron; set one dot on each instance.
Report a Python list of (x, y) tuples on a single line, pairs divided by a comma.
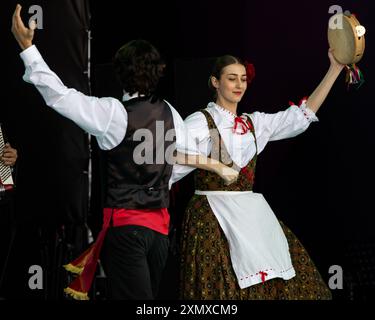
[(258, 247)]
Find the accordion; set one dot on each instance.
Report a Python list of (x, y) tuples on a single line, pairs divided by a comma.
[(6, 179)]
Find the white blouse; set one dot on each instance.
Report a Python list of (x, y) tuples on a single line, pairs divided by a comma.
[(268, 127)]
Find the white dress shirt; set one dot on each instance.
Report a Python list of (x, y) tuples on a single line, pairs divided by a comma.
[(105, 118)]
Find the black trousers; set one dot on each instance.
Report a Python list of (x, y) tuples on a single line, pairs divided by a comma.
[(133, 259)]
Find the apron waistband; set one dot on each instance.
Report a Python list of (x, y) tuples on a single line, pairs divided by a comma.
[(207, 193)]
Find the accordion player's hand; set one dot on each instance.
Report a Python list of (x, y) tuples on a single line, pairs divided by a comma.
[(9, 156)]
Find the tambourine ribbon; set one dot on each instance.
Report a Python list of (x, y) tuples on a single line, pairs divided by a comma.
[(354, 76)]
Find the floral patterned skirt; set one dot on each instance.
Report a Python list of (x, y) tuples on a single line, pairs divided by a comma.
[(207, 272)]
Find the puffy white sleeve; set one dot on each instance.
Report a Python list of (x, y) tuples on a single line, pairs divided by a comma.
[(105, 118), (281, 125), (184, 141), (196, 126)]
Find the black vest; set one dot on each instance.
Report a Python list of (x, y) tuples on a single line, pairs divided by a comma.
[(132, 185)]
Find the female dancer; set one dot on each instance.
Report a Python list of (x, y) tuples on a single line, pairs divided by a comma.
[(233, 246)]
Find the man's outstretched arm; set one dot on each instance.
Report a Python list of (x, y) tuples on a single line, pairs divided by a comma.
[(104, 118)]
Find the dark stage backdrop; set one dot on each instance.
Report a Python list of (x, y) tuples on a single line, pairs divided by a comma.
[(52, 181), (319, 183)]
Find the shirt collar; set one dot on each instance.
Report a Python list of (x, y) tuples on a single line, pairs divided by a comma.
[(222, 111), (227, 119), (127, 96)]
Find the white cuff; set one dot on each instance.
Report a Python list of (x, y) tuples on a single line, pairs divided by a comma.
[(30, 55), (308, 113)]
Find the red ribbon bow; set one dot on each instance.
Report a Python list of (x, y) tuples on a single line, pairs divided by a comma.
[(263, 276), (242, 124)]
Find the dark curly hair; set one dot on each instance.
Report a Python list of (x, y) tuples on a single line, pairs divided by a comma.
[(139, 67)]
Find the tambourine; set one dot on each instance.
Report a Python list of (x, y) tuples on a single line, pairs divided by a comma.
[(347, 37)]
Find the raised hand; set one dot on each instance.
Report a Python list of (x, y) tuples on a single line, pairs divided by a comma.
[(23, 35), (334, 62)]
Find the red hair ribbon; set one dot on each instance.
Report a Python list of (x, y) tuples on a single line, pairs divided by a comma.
[(250, 71)]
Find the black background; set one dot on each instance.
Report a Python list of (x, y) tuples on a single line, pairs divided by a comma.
[(319, 183)]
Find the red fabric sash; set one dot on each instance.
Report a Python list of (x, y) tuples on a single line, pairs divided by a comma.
[(85, 265)]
